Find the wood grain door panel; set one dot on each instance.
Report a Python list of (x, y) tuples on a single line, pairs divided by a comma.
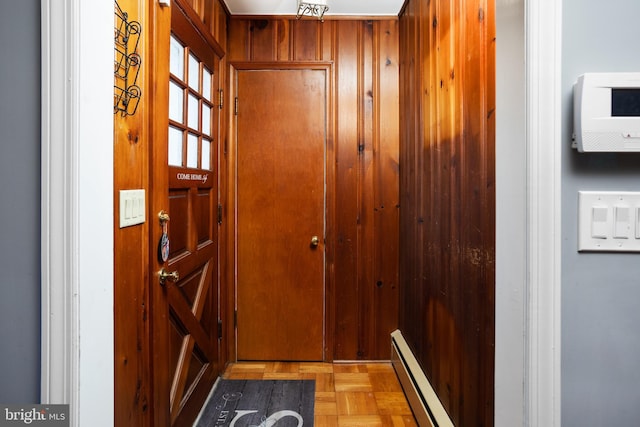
[(192, 300), (281, 132)]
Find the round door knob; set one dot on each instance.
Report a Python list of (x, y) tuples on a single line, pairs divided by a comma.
[(165, 275), (315, 241)]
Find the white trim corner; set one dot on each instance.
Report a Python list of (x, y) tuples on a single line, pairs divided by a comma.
[(58, 367), (77, 209), (543, 62)]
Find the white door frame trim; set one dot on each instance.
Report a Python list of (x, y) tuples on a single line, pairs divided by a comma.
[(77, 349), (543, 128), (57, 218)]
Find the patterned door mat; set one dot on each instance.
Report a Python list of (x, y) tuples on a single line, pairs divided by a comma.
[(259, 403)]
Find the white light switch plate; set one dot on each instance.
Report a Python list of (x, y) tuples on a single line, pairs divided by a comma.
[(609, 221), (132, 207)]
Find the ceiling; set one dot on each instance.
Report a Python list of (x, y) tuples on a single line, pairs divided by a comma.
[(336, 7)]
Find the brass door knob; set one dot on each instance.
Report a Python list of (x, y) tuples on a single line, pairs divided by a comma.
[(163, 216), (165, 275), (315, 241)]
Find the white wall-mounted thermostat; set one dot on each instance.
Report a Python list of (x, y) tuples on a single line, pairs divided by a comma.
[(606, 112)]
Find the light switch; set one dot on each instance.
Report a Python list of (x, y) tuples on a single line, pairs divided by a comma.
[(132, 207), (621, 222), (600, 222), (608, 221), (128, 209), (137, 208)]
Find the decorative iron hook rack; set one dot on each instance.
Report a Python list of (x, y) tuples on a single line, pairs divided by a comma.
[(127, 64)]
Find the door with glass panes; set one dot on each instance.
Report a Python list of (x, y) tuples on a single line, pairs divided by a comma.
[(188, 245)]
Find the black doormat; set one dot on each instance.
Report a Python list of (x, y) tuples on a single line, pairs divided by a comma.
[(259, 403)]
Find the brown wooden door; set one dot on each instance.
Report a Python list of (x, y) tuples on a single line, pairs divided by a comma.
[(281, 134), (186, 320)]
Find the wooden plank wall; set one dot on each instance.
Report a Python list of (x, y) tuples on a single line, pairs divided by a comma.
[(214, 17), (364, 256), (131, 252), (447, 230)]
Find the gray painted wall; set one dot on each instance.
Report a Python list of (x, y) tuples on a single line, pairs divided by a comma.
[(20, 202), (600, 292)]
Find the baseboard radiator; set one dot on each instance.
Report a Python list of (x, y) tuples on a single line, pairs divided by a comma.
[(424, 402)]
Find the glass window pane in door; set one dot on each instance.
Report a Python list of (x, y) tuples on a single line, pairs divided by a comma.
[(175, 146), (192, 151), (206, 119), (206, 84), (193, 112), (206, 154), (176, 58), (194, 73), (175, 102)]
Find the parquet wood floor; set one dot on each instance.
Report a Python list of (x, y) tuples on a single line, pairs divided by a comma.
[(347, 394)]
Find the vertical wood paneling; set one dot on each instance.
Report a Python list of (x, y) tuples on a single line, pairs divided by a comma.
[(363, 253), (284, 40), (197, 6), (410, 315), (220, 20), (327, 35), (263, 40), (447, 223), (347, 197), (386, 129), (238, 48), (366, 191), (306, 45), (132, 356)]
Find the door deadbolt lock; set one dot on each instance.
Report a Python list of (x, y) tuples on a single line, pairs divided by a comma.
[(165, 275)]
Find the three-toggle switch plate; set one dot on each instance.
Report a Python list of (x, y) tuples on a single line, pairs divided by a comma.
[(132, 207), (609, 221)]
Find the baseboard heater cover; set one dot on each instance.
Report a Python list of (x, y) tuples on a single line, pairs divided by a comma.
[(424, 401)]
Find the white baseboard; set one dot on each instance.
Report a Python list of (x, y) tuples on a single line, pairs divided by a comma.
[(424, 402)]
